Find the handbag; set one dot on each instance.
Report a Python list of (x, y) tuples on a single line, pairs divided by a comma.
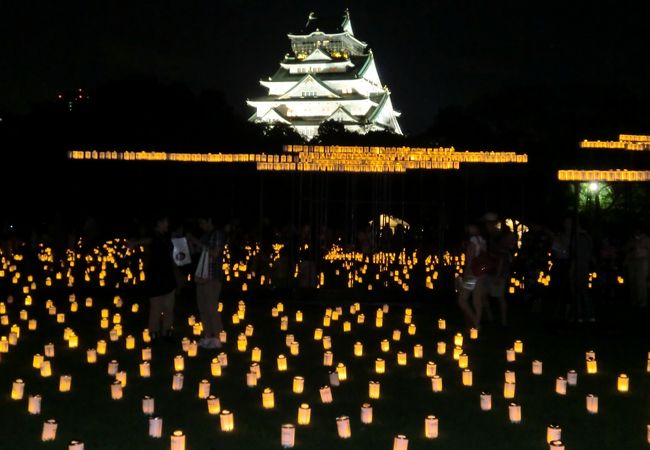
[(202, 273)]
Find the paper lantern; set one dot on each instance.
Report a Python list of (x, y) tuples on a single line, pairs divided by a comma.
[(192, 349), (255, 368), (223, 359), (121, 377), (326, 394), (298, 316), (32, 324), (442, 324), (560, 385), (358, 349), (249, 330), (46, 368), (537, 367), (256, 354), (457, 352), (374, 389), (379, 322), (380, 365), (418, 351), (592, 404), (458, 340), (430, 427), (590, 354), (148, 405), (436, 383), (518, 346), (34, 404), (509, 390), (179, 363), (101, 347), (400, 442), (242, 342), (49, 350), (177, 440), (284, 323), (116, 390), (177, 381), (60, 318), (431, 369), (572, 378), (510, 355), (556, 445), (282, 363), (366, 413), (401, 358), (287, 435), (385, 345), (463, 361), (215, 367), (49, 430), (327, 342), (486, 401), (347, 326), (214, 406), (155, 427), (295, 348), (91, 356), (268, 398), (18, 389), (298, 384), (204, 389), (4, 345), (304, 414), (473, 333), (343, 427), (514, 412), (103, 324), (553, 433), (510, 376), (37, 360), (130, 342), (251, 379), (361, 318), (397, 335), (318, 334), (623, 383), (65, 383), (592, 365), (227, 421), (145, 369), (223, 337), (342, 371), (411, 329), (467, 377)]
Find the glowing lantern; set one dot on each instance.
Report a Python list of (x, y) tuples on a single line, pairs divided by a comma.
[(49, 430), (288, 436), (537, 367), (255, 368), (60, 318), (327, 342), (400, 442), (251, 379), (458, 340), (177, 381), (397, 334), (486, 401), (401, 358), (284, 323), (121, 377), (256, 354), (342, 371), (113, 367), (242, 342), (227, 421), (553, 433), (463, 361), (304, 414), (431, 369), (473, 333), (268, 398), (32, 324), (358, 349), (334, 378), (179, 363), (249, 330), (223, 337), (572, 377), (592, 365), (328, 358), (441, 348), (457, 352), (294, 348), (556, 445), (148, 405), (366, 413), (177, 440), (326, 394), (592, 404), (343, 427), (298, 316), (91, 356), (318, 334), (18, 389), (282, 363), (298, 384), (510, 376), (146, 354), (146, 337), (467, 377), (37, 360), (204, 389), (623, 383), (560, 385), (436, 383), (34, 404), (510, 355), (214, 406), (49, 350), (411, 329), (361, 318), (379, 322), (374, 389), (116, 390), (431, 427), (380, 365), (130, 342), (514, 412), (519, 346), (235, 319), (347, 326), (155, 427), (509, 390), (65, 382), (215, 367), (385, 345), (46, 368), (103, 324)]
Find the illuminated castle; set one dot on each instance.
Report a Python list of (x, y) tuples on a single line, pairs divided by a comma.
[(329, 76)]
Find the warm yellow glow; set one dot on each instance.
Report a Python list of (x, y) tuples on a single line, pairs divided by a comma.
[(623, 383), (304, 414), (430, 427)]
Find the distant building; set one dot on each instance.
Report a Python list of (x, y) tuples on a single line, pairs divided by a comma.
[(329, 76)]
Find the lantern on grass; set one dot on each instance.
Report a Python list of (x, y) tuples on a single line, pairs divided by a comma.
[(510, 355), (282, 363), (49, 430), (204, 389), (37, 360), (49, 350), (304, 414), (130, 342), (401, 358), (101, 347), (227, 421), (284, 323), (463, 361), (458, 339), (91, 356), (121, 377), (223, 337), (592, 404), (560, 385), (441, 348), (148, 405), (179, 363), (343, 427), (327, 342), (155, 427), (223, 359), (287, 435), (361, 318), (400, 442), (256, 354), (255, 368), (328, 358), (347, 326), (298, 384), (116, 390), (294, 348), (342, 371), (251, 379), (318, 334), (537, 367), (509, 390), (374, 389), (177, 440), (510, 376), (430, 427), (431, 369), (467, 377), (358, 349), (380, 365), (411, 329), (418, 351), (436, 383), (177, 381), (215, 367), (103, 324), (518, 346), (486, 401), (553, 433), (397, 335), (242, 342), (442, 324), (298, 316), (457, 352), (214, 406), (145, 369), (623, 383), (249, 330), (385, 345), (366, 413), (65, 382), (268, 398), (326, 394), (556, 445), (514, 412), (592, 365), (32, 324), (34, 404), (473, 333), (46, 368), (572, 377), (18, 389)]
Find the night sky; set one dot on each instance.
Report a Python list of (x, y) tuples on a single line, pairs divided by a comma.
[(431, 54)]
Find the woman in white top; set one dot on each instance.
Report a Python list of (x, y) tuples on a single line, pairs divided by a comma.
[(472, 278)]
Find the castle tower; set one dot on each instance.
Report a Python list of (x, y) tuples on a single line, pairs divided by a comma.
[(330, 75)]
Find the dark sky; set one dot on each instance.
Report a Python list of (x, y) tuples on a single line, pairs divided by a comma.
[(430, 53)]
